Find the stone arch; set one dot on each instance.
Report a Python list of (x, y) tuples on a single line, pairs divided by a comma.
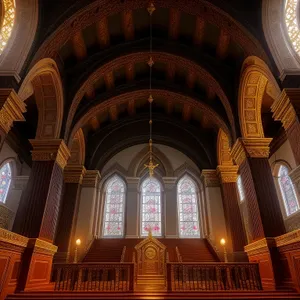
[(18, 46), (77, 149), (223, 149), (44, 81), (256, 80), (285, 57)]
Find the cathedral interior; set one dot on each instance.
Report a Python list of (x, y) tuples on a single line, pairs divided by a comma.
[(149, 149)]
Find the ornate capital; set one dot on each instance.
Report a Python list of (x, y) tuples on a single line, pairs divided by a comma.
[(228, 173), (7, 236), (11, 109), (74, 173), (250, 147), (47, 150), (210, 178), (91, 178), (283, 108), (260, 246)]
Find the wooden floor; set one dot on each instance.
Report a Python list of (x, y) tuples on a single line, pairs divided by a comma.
[(153, 295)]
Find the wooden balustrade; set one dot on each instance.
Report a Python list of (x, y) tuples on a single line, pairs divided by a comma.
[(110, 277), (213, 277)]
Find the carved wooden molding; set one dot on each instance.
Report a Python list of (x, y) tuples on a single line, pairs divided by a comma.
[(11, 109), (260, 246), (74, 173), (41, 246), (47, 150), (91, 178), (228, 173), (210, 178), (288, 238), (283, 108), (223, 149), (7, 236)]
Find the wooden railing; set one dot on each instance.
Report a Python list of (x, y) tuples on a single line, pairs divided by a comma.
[(179, 258), (123, 254), (213, 276), (111, 277)]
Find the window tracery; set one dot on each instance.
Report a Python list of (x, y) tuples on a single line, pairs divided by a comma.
[(8, 22), (5, 172), (151, 207), (241, 189), (114, 208), (287, 191), (291, 22), (188, 208)]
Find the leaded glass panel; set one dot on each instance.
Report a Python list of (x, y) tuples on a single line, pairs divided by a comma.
[(188, 208), (114, 208), (151, 207), (5, 172), (287, 191)]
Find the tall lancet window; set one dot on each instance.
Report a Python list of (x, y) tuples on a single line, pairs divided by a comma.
[(151, 207), (5, 172), (113, 224), (287, 191), (188, 210)]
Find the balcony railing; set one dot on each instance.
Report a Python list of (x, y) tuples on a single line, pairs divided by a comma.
[(110, 277), (213, 277)]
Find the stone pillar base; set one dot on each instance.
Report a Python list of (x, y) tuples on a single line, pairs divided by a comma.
[(36, 266), (264, 252)]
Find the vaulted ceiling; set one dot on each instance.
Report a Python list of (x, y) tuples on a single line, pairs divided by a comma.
[(102, 48)]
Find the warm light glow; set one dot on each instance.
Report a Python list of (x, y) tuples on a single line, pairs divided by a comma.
[(8, 22), (291, 22), (222, 242), (78, 242)]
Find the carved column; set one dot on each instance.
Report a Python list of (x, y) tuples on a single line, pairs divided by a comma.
[(65, 237), (170, 211), (214, 206), (87, 207), (11, 110), (132, 208), (39, 209), (234, 225), (264, 214)]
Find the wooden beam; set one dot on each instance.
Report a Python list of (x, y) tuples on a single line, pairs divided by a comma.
[(170, 107), (109, 80), (90, 92), (223, 44), (130, 72), (79, 46), (210, 93), (199, 31), (191, 80), (94, 123), (171, 71), (128, 25), (103, 33), (113, 113), (131, 107), (174, 21), (187, 112)]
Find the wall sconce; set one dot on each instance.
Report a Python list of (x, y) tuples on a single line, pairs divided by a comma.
[(78, 243), (223, 243)]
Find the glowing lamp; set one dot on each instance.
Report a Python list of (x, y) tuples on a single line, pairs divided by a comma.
[(222, 242), (78, 242)]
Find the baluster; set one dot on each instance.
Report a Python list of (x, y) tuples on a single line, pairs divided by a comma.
[(229, 279)]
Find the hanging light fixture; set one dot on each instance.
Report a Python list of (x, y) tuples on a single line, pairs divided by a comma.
[(150, 166)]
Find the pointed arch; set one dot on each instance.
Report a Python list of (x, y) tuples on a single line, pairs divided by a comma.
[(256, 80), (151, 207), (114, 207), (223, 149), (77, 149), (44, 81)]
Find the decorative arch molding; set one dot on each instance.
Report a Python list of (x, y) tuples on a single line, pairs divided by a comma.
[(13, 164), (77, 149), (186, 169), (277, 38), (277, 164), (104, 8), (18, 46), (223, 149), (114, 169), (136, 165), (186, 64), (256, 80), (44, 81), (167, 95)]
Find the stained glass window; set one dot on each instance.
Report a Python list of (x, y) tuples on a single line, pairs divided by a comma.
[(151, 207), (8, 22), (241, 189), (287, 191), (188, 208), (5, 172), (114, 208)]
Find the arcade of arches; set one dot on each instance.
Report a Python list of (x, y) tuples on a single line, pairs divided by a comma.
[(79, 211)]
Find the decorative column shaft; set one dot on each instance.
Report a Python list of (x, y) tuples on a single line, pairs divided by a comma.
[(39, 206), (234, 225), (65, 237), (11, 110)]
